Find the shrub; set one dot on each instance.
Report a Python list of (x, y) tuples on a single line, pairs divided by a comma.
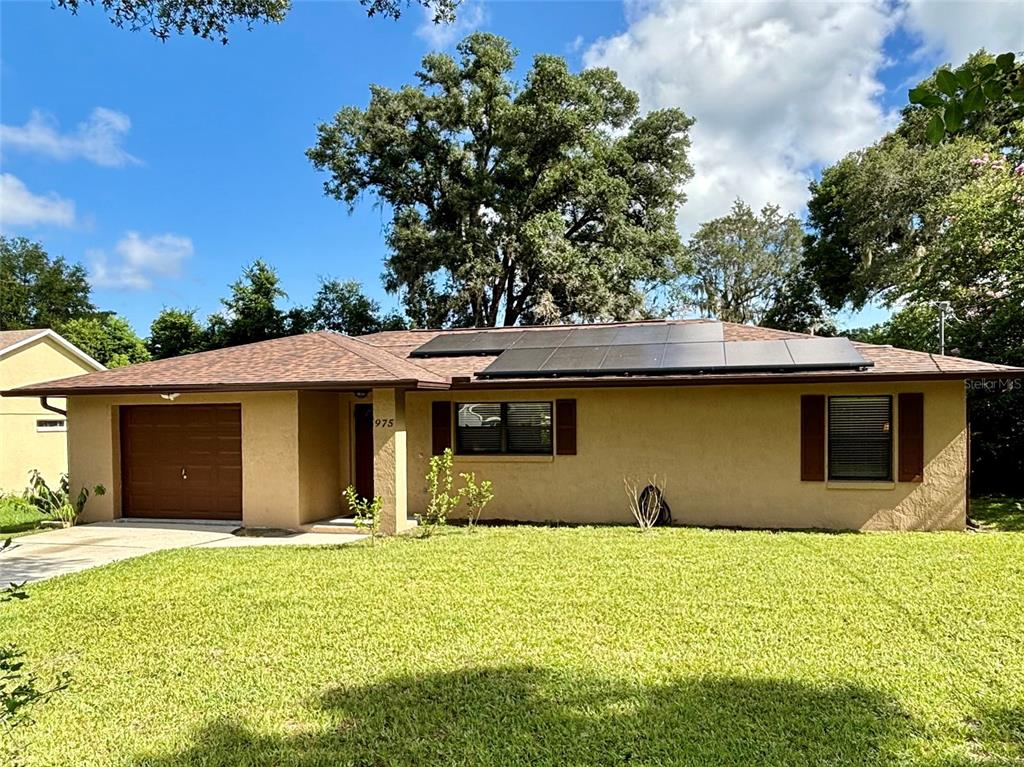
[(476, 496), (57, 503), (439, 486), (646, 501), (366, 513)]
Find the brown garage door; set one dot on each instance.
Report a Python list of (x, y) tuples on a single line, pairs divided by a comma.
[(181, 461)]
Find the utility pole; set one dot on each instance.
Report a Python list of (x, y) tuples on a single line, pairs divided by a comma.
[(945, 308)]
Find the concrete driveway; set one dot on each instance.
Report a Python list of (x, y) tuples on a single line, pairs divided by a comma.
[(56, 552)]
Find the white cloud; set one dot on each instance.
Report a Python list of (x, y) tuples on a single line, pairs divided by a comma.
[(19, 207), (778, 89), (956, 30), (471, 16), (139, 260), (97, 139)]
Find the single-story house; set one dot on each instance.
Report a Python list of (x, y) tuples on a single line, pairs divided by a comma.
[(743, 426), (33, 433)]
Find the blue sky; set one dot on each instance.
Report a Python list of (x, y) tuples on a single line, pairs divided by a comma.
[(194, 164)]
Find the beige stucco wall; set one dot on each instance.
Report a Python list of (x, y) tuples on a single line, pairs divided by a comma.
[(270, 452), (22, 448), (320, 475), (727, 456)]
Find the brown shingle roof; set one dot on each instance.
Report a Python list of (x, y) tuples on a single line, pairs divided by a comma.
[(888, 362), (314, 360), (333, 361), (12, 337)]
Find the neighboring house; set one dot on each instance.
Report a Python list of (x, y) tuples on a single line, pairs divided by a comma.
[(745, 426), (31, 436)]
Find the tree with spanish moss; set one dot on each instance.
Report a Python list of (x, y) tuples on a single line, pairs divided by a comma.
[(535, 201), (211, 19)]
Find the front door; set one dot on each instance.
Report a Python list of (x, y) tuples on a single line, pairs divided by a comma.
[(362, 418)]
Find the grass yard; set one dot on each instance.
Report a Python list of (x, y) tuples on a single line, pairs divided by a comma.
[(532, 646), (1005, 514), (17, 517)]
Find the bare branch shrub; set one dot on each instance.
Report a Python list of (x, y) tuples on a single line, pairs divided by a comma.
[(645, 507)]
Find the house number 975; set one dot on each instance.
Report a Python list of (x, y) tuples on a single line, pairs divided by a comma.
[(384, 423)]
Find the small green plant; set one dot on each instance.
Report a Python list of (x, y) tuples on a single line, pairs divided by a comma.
[(19, 688), (57, 503), (442, 500), (365, 512), (476, 495)]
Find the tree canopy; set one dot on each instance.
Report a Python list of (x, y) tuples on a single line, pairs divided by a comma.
[(539, 201), (211, 19), (920, 218), (106, 338), (37, 290), (344, 308), (253, 312), (740, 263), (881, 217)]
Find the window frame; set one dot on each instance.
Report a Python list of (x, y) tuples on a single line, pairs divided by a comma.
[(503, 451), (49, 425), (889, 475)]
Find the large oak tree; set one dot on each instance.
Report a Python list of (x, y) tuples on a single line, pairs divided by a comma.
[(510, 202), (211, 19)]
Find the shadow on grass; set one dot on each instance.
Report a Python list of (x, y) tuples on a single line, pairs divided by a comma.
[(528, 716), (1002, 514)]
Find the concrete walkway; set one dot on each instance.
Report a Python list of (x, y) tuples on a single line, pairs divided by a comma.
[(56, 552)]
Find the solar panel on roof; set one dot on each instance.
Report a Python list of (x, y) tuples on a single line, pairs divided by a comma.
[(692, 332), (575, 359), (824, 353), (692, 357), (467, 343), (759, 355), (518, 362), (446, 343), (542, 339), (494, 341), (596, 336), (632, 358), (641, 334), (706, 355)]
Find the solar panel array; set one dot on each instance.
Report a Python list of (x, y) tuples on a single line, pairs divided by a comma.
[(648, 349), (463, 343)]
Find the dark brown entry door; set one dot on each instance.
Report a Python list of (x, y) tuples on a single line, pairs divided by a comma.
[(181, 461), (362, 417)]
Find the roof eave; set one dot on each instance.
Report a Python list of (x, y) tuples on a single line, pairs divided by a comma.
[(70, 391), (727, 380)]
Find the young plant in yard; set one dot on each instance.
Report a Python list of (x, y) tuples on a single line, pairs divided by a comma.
[(58, 503), (442, 500), (366, 513), (646, 501), (19, 689), (476, 496)]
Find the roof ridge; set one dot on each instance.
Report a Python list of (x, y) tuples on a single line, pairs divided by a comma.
[(384, 360)]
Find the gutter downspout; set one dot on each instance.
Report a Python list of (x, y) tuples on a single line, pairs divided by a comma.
[(47, 406)]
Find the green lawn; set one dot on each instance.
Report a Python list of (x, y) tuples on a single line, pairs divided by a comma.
[(1006, 514), (533, 646), (17, 517)]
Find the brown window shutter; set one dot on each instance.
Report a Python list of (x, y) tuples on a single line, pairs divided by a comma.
[(565, 427), (440, 426), (812, 438), (911, 437)]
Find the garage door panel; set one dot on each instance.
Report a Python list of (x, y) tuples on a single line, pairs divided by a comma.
[(182, 461)]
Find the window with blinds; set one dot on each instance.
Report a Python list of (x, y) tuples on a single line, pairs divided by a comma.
[(860, 438), (498, 428)]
